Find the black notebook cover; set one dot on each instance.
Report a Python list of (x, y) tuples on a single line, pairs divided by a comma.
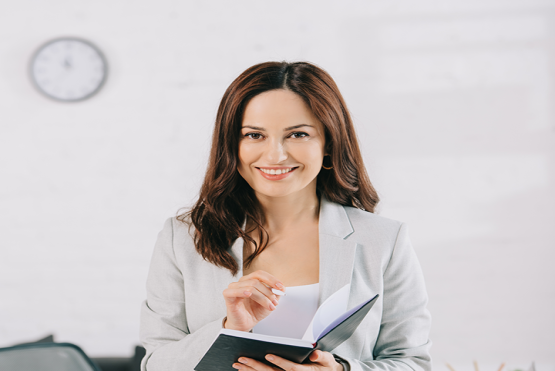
[(345, 329), (227, 349)]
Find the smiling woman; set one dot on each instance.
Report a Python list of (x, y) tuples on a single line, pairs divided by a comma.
[(287, 205), (278, 156)]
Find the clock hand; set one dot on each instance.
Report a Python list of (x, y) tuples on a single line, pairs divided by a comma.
[(67, 62), (66, 66)]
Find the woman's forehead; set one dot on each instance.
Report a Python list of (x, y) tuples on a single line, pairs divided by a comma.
[(278, 108)]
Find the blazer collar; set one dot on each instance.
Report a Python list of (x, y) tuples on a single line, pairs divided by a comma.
[(333, 219), (337, 255)]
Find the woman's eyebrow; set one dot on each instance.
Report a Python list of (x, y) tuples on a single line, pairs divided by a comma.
[(286, 129), (297, 126), (252, 127)]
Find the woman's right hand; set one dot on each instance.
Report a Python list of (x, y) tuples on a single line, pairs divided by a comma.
[(250, 300)]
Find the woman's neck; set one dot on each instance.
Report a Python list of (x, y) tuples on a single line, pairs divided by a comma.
[(283, 213)]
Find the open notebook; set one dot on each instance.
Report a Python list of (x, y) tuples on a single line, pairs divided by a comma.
[(330, 326)]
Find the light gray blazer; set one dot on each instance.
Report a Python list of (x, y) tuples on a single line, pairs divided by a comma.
[(184, 308)]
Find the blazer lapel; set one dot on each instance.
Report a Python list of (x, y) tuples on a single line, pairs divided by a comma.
[(336, 254)]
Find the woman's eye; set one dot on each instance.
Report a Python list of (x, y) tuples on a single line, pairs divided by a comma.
[(253, 135), (298, 135)]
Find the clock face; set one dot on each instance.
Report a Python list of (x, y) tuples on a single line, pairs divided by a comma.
[(68, 69)]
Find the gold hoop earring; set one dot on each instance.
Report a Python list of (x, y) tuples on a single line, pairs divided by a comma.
[(325, 167)]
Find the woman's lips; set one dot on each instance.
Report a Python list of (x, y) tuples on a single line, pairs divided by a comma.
[(276, 176)]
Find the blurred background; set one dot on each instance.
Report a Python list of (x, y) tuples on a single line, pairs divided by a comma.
[(452, 100)]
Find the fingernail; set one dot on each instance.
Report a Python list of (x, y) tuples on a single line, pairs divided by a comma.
[(280, 286), (272, 307), (278, 292), (270, 358), (243, 360), (236, 366), (275, 302), (247, 293)]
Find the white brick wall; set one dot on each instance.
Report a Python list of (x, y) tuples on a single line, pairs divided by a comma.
[(453, 101)]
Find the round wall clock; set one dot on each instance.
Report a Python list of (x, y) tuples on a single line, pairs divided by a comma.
[(68, 69)]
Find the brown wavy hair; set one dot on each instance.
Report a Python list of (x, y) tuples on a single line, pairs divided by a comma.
[(226, 200)]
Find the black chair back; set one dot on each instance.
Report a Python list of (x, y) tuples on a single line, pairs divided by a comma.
[(45, 357)]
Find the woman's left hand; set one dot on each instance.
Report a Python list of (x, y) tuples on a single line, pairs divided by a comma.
[(321, 361)]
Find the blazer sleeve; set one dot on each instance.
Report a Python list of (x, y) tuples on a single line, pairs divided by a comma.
[(164, 331), (402, 342)]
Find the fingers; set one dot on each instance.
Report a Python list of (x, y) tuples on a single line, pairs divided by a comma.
[(323, 358), (254, 283), (257, 286), (239, 293), (244, 314), (262, 294), (253, 289), (265, 278), (249, 364), (285, 364)]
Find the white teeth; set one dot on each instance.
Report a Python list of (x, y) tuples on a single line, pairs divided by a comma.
[(276, 172)]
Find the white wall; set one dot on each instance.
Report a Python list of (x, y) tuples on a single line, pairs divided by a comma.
[(453, 101)]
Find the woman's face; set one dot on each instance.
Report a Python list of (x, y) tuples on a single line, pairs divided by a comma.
[(281, 145)]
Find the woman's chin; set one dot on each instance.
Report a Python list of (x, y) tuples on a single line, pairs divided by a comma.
[(276, 194), (266, 193)]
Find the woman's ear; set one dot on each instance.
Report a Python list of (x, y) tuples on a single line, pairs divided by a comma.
[(327, 149)]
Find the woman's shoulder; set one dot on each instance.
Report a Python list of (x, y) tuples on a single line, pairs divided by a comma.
[(178, 229), (176, 223), (336, 213), (366, 224), (357, 215)]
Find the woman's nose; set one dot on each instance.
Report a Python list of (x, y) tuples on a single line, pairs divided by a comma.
[(276, 152)]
